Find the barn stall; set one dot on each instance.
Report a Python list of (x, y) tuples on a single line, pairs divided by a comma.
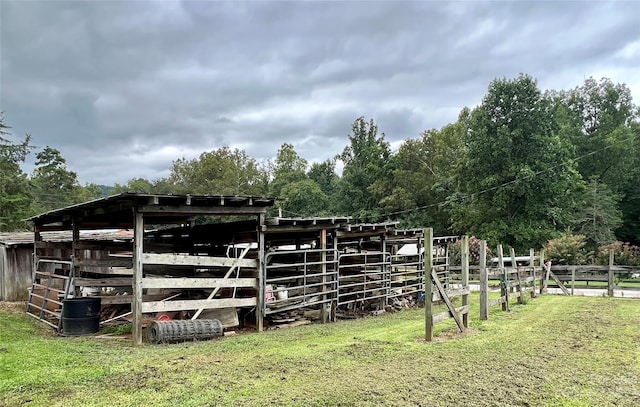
[(193, 257)]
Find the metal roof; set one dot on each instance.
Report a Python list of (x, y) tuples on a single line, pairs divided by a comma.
[(27, 238), (116, 211)]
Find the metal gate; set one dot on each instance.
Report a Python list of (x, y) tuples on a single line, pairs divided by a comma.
[(407, 275), (363, 276), (296, 279)]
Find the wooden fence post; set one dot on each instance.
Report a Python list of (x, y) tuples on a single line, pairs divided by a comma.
[(504, 284), (610, 274), (532, 263), (484, 282), (464, 253), (545, 274), (573, 278), (428, 283), (514, 265)]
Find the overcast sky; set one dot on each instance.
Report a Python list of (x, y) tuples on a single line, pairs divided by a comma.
[(124, 88)]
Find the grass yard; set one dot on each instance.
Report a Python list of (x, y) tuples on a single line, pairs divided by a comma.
[(552, 351)]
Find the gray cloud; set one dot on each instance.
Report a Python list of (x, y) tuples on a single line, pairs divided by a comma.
[(124, 88)]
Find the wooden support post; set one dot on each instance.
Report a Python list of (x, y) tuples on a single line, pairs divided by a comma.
[(336, 276), (514, 265), (260, 274), (610, 274), (532, 263), (545, 274), (428, 283), (138, 251), (573, 278), (36, 238), (323, 256), (75, 239), (385, 273), (504, 284), (484, 282), (465, 277)]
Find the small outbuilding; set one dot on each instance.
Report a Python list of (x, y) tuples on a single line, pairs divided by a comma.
[(158, 272)]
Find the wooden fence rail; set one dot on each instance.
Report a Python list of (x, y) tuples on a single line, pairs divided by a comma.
[(515, 281), (572, 274)]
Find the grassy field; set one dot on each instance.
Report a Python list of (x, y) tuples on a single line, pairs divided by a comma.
[(552, 351)]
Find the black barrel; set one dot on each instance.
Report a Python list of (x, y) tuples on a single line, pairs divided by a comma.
[(184, 330), (80, 316)]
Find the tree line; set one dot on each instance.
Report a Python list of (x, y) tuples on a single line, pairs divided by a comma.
[(521, 168)]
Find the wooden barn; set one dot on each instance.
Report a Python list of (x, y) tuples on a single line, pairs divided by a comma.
[(218, 257)]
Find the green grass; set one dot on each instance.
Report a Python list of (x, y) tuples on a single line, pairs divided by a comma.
[(554, 351)]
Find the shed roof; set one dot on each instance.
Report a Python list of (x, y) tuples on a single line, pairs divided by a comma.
[(116, 211), (310, 224), (27, 238)]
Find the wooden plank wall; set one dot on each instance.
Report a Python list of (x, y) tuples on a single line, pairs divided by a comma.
[(16, 265)]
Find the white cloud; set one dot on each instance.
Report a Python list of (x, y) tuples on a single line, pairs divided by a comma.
[(125, 88)]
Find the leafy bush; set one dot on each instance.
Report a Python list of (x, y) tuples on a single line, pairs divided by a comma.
[(625, 254), (567, 249), (474, 252)]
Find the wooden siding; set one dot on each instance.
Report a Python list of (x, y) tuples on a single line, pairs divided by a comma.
[(16, 265)]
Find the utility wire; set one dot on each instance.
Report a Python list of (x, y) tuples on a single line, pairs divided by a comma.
[(512, 181)]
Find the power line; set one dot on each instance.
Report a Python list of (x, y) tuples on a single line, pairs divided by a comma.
[(512, 181)]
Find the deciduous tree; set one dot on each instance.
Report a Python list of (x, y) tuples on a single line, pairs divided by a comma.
[(219, 172), (367, 171), (518, 185), (15, 191)]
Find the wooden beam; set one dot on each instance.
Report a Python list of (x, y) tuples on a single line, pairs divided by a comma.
[(497, 301), (184, 305), (443, 316), (138, 253), (465, 279), (545, 278), (324, 311), (428, 284), (454, 293), (532, 259), (202, 261), (186, 282), (504, 290), (484, 282), (103, 282), (104, 245), (260, 302), (610, 274), (514, 265), (52, 245), (188, 210), (126, 262)]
